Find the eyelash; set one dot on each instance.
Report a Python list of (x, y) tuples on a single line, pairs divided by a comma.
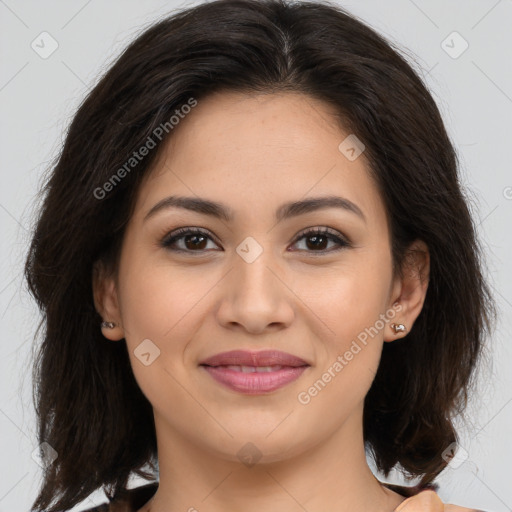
[(180, 233)]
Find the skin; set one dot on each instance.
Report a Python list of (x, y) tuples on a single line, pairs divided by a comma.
[(254, 153)]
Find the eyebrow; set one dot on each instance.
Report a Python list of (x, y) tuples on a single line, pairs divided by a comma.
[(285, 211)]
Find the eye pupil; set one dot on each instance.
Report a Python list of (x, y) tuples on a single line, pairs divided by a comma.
[(315, 239), (195, 245)]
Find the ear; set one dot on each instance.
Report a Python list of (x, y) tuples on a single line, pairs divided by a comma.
[(410, 290), (106, 301)]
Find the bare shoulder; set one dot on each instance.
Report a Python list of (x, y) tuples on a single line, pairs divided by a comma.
[(456, 508), (429, 501)]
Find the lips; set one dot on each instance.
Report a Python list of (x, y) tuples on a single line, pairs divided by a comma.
[(247, 358), (254, 372)]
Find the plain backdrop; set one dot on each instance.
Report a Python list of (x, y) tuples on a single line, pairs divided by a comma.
[(470, 75)]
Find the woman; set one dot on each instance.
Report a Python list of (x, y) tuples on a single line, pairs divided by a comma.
[(255, 263)]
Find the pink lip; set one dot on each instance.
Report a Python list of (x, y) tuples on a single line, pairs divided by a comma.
[(249, 358), (254, 383)]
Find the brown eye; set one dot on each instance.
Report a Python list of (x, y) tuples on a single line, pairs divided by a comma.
[(188, 240), (192, 240), (317, 240)]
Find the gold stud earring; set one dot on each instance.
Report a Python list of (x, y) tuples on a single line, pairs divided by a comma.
[(398, 328)]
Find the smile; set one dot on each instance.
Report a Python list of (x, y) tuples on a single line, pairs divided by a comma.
[(254, 380)]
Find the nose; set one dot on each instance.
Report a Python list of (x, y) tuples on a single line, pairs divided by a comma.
[(255, 297)]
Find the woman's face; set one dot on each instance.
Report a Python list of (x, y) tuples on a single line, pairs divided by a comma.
[(253, 281)]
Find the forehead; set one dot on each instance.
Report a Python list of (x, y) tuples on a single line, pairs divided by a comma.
[(255, 152)]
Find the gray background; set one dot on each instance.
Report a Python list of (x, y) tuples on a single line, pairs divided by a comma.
[(39, 95)]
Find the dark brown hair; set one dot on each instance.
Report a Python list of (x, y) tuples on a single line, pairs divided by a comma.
[(89, 407)]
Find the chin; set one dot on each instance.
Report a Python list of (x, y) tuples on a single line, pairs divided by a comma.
[(263, 446)]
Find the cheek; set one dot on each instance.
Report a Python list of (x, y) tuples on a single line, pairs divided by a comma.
[(156, 310), (349, 355), (348, 305), (156, 300), (165, 306), (347, 300), (146, 309)]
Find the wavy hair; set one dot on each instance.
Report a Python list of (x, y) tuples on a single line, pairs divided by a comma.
[(89, 407)]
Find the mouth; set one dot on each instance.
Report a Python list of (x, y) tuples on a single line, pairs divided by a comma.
[(254, 372), (252, 369)]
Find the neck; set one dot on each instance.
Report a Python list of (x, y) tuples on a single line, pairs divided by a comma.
[(331, 476)]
